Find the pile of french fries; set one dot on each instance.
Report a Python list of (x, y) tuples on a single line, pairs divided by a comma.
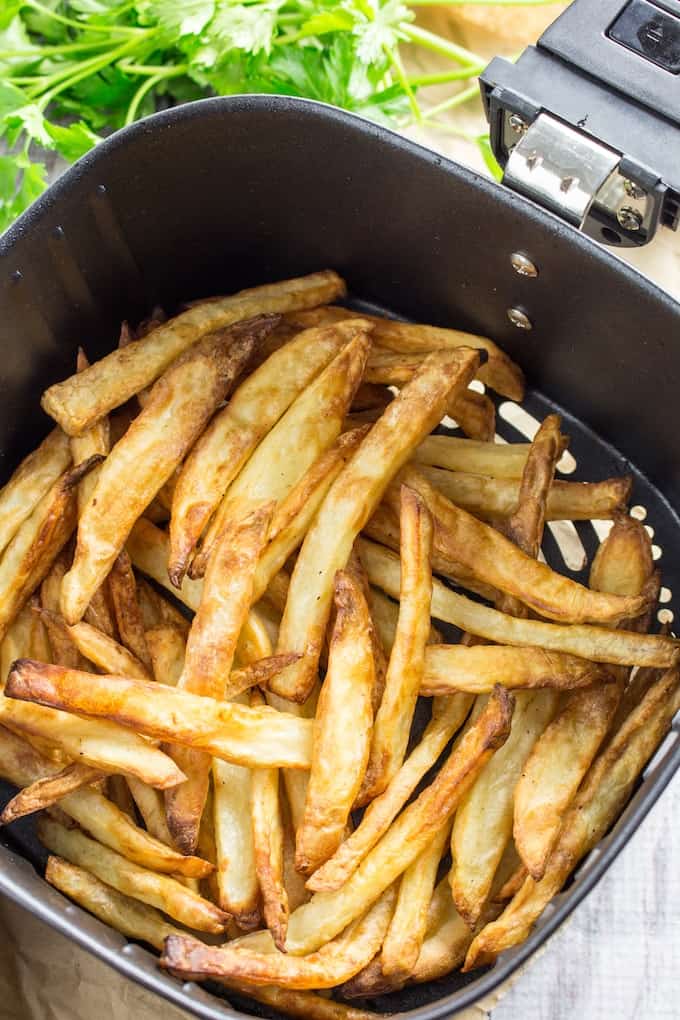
[(216, 612)]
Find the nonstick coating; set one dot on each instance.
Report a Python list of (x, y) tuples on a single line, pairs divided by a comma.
[(225, 193)]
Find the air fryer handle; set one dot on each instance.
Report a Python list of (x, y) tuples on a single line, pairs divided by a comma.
[(587, 122)]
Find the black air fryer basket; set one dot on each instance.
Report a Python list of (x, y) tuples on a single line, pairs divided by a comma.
[(228, 193)]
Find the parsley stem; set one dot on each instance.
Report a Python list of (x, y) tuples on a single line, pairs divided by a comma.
[(152, 69), (42, 50), (393, 57), (146, 86), (85, 70), (437, 44), (443, 77), (88, 26), (449, 104)]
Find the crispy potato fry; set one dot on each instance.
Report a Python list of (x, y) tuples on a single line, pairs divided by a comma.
[(239, 891), (123, 591), (357, 572), (92, 442), (385, 614), (234, 433), (296, 512), (268, 837), (604, 792), (146, 924), (99, 612), (84, 398), (63, 651), (597, 643), (330, 965), (527, 523), (408, 926), (150, 805), (477, 669), (350, 502), (499, 372), (159, 891), (293, 881), (296, 781), (562, 756), (31, 482), (167, 645), (495, 560), (448, 715), (342, 728), (236, 733), (406, 666), (328, 913), (96, 647), (467, 456), (43, 792), (482, 827), (309, 427), (489, 498), (148, 547), (178, 409)]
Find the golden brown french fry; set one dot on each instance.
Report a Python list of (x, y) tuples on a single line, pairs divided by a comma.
[(477, 669), (233, 434), (327, 913), (157, 890), (94, 441), (350, 502), (296, 512), (150, 805), (166, 645), (180, 404), (296, 781), (63, 651), (483, 824), (495, 560), (467, 456), (385, 614), (268, 837), (123, 590), (499, 372), (357, 572), (597, 643), (406, 667), (37, 542), (239, 891), (99, 612), (146, 924), (309, 427), (82, 399), (330, 965), (96, 647), (560, 759), (236, 733), (293, 881), (408, 926), (148, 547), (448, 715), (489, 498), (31, 482), (604, 792), (342, 728), (42, 793)]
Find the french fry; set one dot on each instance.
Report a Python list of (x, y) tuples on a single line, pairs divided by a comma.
[(604, 792), (166, 645), (342, 728), (239, 891), (495, 560), (43, 792), (357, 572), (588, 642), (123, 590), (148, 547), (22, 765), (99, 612), (467, 456), (408, 926), (385, 614), (96, 647), (31, 482), (234, 433), (296, 781), (94, 441), (236, 733), (178, 408), (268, 837), (552, 773), (330, 965), (146, 924), (499, 372), (406, 666), (296, 512), (310, 426), (448, 715), (150, 805), (157, 890), (350, 502), (82, 399), (63, 651), (37, 542), (328, 913), (490, 498), (293, 881), (477, 669)]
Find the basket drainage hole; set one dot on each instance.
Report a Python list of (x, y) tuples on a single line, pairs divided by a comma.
[(665, 616), (665, 595), (638, 512), (656, 552)]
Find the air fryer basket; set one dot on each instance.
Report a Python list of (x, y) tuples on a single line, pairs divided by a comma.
[(225, 193)]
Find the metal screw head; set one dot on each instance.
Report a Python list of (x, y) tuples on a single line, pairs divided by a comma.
[(629, 218), (517, 125), (519, 318), (522, 265), (633, 190)]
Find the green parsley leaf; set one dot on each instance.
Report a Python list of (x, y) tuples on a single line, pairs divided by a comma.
[(73, 141)]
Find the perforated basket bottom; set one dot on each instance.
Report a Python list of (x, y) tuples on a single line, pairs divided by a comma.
[(567, 547)]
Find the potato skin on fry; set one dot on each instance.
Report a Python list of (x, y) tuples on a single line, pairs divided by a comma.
[(30, 482), (477, 669)]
